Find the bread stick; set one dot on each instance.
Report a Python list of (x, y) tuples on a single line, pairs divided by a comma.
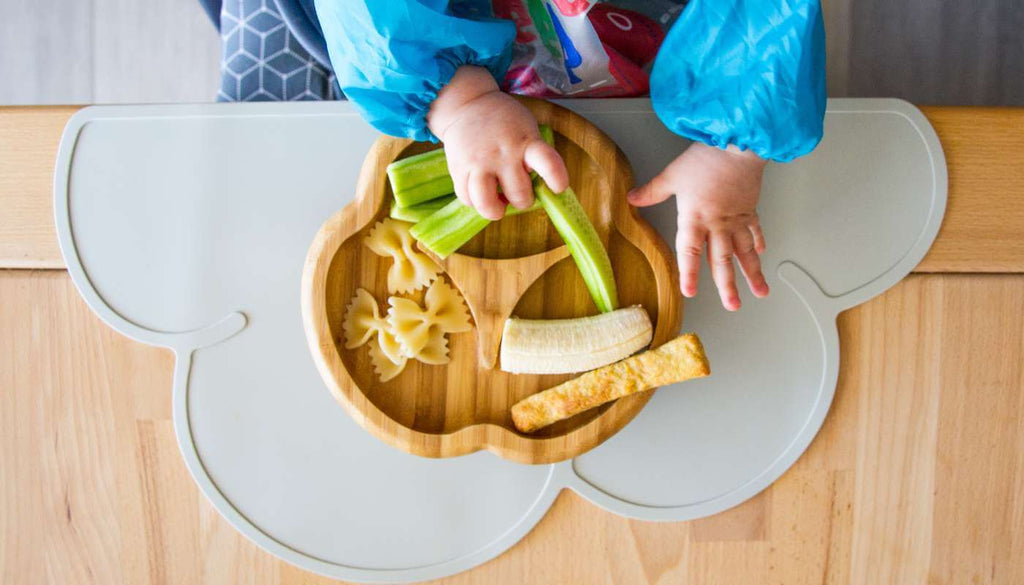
[(680, 359)]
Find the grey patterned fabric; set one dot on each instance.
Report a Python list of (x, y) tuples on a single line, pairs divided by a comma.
[(262, 61)]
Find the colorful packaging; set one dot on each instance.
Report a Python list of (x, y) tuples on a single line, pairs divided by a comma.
[(585, 48)]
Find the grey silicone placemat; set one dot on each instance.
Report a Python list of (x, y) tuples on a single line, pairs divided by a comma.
[(186, 227)]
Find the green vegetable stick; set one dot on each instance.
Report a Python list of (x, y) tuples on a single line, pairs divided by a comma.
[(420, 211), (424, 177), (584, 244), (420, 178), (449, 228)]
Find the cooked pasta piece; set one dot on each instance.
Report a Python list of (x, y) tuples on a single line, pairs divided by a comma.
[(410, 323), (382, 364), (446, 305), (411, 269), (435, 351), (418, 328), (363, 322)]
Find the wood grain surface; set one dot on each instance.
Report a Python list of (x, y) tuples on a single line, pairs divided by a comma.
[(518, 266), (916, 477), (981, 231), (28, 149)]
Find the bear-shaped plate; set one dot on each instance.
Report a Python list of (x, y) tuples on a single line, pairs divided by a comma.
[(517, 266)]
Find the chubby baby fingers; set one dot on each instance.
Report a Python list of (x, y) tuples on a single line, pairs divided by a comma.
[(483, 193), (758, 235), (750, 262), (517, 187), (545, 160), (689, 248), (461, 183), (720, 253)]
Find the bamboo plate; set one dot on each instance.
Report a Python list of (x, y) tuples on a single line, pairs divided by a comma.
[(517, 266)]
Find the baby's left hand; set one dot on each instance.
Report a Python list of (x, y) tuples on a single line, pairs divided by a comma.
[(716, 199)]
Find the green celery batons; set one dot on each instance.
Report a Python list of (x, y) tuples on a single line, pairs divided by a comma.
[(445, 225), (449, 228), (424, 177), (420, 211), (420, 178)]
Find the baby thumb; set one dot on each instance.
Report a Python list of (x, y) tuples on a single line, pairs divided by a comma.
[(649, 194)]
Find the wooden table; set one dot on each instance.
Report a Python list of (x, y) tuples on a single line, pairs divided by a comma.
[(917, 475)]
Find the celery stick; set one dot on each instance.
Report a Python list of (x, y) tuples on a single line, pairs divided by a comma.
[(547, 134), (420, 211), (584, 244), (449, 228), (420, 178), (424, 177)]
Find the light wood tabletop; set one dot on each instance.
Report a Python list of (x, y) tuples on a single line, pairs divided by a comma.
[(916, 477)]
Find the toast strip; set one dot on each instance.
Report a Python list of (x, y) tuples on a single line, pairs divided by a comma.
[(680, 359)]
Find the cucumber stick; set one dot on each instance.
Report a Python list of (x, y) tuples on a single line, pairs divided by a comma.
[(424, 177), (420, 211), (584, 244), (449, 228)]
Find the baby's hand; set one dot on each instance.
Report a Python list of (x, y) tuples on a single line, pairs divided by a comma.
[(716, 198), (491, 139)]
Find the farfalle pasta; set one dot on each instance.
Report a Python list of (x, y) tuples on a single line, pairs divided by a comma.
[(435, 351), (424, 329), (382, 364), (363, 324), (420, 331), (363, 321), (411, 268)]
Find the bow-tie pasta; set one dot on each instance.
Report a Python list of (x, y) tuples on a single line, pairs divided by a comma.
[(421, 330), (383, 366), (363, 324), (435, 351), (411, 269)]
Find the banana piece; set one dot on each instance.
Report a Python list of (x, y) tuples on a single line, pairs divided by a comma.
[(563, 346)]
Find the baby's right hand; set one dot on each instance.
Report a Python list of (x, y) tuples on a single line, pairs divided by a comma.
[(490, 139)]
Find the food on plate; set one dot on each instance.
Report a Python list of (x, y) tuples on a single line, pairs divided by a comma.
[(383, 366), (412, 269), (420, 178), (363, 322), (680, 359), (449, 228), (420, 330), (424, 177), (424, 330), (563, 346), (418, 212), (435, 351), (547, 134), (584, 244)]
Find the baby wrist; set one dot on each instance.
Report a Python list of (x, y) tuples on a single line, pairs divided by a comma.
[(468, 84)]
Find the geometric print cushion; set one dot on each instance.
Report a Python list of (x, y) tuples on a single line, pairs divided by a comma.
[(262, 61)]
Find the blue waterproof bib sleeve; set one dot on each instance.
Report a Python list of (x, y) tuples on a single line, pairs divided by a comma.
[(750, 73), (391, 57)]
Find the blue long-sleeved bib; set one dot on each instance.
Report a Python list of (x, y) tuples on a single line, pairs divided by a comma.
[(391, 57), (744, 72), (750, 73)]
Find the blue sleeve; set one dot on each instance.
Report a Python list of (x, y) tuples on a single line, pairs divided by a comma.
[(750, 73), (391, 57)]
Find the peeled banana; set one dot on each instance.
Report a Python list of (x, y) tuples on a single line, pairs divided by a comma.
[(564, 346)]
